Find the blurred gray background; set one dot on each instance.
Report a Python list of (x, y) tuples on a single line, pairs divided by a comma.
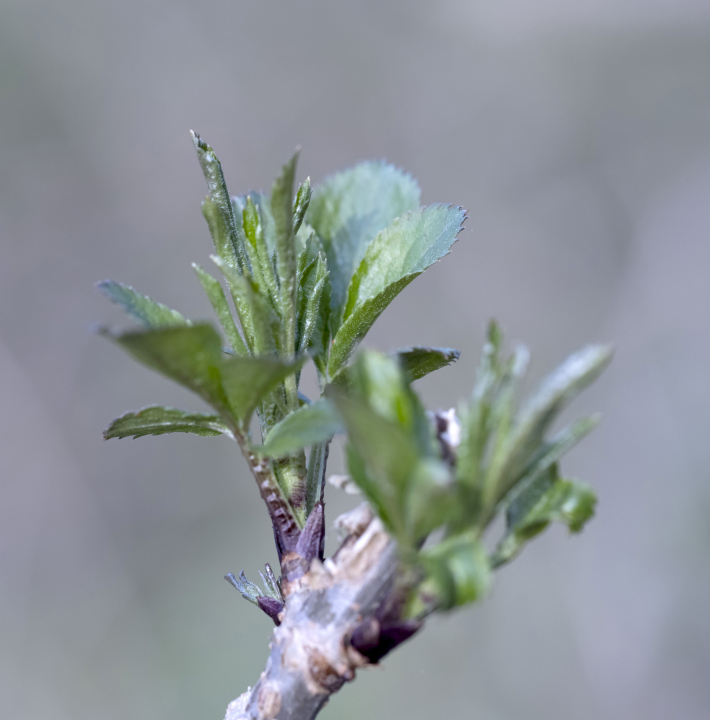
[(578, 137)]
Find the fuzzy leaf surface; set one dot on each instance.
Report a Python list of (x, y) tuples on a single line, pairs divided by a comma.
[(306, 426), (248, 380), (410, 245), (348, 209), (141, 308), (157, 420)]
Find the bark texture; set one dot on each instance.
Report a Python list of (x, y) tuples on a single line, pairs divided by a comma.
[(311, 653)]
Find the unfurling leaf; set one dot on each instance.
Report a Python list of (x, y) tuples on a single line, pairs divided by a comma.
[(141, 308), (157, 420)]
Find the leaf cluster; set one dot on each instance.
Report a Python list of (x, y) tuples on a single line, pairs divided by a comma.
[(305, 274)]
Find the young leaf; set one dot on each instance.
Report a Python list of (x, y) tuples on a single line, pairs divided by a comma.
[(354, 329), (411, 244), (393, 259), (248, 380), (282, 210), (192, 356), (217, 298), (416, 362), (258, 319), (348, 209), (141, 308), (158, 420), (550, 499), (300, 206), (306, 426), (212, 170), (310, 291), (556, 392), (420, 361), (459, 571)]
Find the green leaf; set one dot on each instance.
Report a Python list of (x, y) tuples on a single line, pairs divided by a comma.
[(259, 321), (354, 329), (300, 206), (306, 426), (219, 196), (458, 571), (248, 380), (548, 500), (393, 259), (535, 418), (282, 211), (217, 298), (348, 209), (158, 420), (141, 308), (420, 361), (416, 362), (383, 462), (410, 245), (310, 292), (258, 251), (192, 356)]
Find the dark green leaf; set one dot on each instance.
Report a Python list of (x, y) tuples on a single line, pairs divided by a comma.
[(348, 209), (141, 308), (217, 298), (248, 380), (192, 356), (306, 426), (420, 361), (158, 420)]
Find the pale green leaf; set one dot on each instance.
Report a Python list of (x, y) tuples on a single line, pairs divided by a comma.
[(348, 209), (354, 329), (158, 420), (141, 308)]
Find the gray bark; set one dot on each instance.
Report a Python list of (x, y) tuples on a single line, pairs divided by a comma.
[(311, 656)]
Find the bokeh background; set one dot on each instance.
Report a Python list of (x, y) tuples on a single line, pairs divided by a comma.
[(577, 134)]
